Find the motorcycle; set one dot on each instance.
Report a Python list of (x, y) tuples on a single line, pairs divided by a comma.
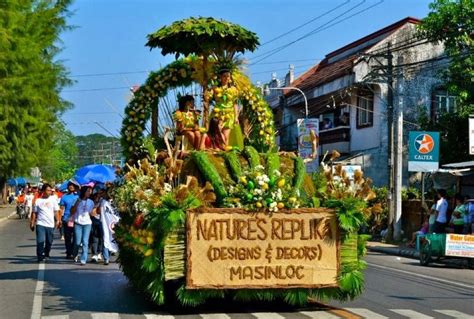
[(21, 211)]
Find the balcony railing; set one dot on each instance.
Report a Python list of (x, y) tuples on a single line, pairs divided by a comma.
[(335, 135)]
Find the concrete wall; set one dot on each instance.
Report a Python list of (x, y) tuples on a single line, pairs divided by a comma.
[(413, 87)]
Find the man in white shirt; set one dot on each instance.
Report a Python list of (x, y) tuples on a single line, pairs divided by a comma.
[(441, 211), (44, 211), (29, 203)]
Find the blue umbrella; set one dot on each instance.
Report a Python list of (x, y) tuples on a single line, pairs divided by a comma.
[(96, 172)]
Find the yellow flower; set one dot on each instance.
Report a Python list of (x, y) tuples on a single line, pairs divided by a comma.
[(281, 183), (280, 205)]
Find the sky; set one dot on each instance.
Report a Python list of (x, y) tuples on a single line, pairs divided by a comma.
[(105, 52)]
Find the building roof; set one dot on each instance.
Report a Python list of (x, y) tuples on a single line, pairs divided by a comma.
[(468, 164), (331, 68)]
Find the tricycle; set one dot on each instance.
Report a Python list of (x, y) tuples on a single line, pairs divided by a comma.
[(447, 246)]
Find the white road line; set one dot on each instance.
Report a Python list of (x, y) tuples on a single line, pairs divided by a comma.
[(153, 316), (267, 315), (214, 316), (105, 315), (366, 313), (411, 314), (320, 314), (423, 276), (455, 314), (38, 298), (56, 317)]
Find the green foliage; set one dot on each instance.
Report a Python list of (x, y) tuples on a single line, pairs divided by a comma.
[(411, 193), (233, 163), (252, 156), (31, 78), (203, 36), (349, 212), (210, 174), (300, 173), (273, 163), (452, 22), (59, 162), (88, 146)]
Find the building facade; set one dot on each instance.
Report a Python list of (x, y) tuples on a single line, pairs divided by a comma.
[(352, 90)]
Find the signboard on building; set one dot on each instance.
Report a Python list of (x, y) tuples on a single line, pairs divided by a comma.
[(460, 245), (471, 134), (307, 146), (229, 248), (423, 151)]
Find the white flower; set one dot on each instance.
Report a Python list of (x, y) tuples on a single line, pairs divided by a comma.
[(167, 187), (276, 173), (260, 182), (259, 168)]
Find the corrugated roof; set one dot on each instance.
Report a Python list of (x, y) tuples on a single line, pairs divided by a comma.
[(325, 71)]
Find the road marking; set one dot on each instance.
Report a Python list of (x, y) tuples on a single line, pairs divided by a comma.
[(320, 314), (455, 314), (56, 317), (450, 282), (366, 313), (38, 298), (105, 315), (153, 316), (267, 315), (411, 314), (214, 316)]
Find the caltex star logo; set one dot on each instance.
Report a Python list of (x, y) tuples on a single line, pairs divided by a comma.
[(424, 143)]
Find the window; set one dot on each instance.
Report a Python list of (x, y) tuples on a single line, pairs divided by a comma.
[(365, 109), (443, 103)]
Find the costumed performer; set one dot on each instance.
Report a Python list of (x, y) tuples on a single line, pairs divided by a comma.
[(187, 121)]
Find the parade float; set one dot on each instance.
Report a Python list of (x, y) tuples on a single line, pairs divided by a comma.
[(232, 217)]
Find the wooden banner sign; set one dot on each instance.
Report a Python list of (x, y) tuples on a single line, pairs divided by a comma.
[(231, 248)]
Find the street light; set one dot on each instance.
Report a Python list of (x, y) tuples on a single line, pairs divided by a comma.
[(267, 91)]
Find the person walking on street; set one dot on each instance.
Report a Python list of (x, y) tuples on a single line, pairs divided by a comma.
[(81, 213), (29, 203), (441, 212), (66, 203), (44, 211)]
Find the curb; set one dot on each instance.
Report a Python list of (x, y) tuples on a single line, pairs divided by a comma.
[(396, 251), (7, 217)]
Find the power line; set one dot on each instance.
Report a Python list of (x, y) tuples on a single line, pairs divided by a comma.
[(305, 24), (323, 27)]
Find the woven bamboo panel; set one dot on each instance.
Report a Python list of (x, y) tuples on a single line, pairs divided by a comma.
[(175, 255)]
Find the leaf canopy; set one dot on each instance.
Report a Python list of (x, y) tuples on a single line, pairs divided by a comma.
[(202, 36)]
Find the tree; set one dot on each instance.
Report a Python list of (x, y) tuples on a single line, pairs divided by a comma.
[(30, 81), (60, 162), (452, 23), (97, 148)]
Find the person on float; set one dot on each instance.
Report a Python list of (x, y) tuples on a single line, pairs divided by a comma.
[(187, 121), (226, 109)]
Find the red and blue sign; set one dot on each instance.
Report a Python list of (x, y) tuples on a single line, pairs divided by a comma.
[(423, 151)]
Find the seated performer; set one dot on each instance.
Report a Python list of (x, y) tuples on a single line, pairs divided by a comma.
[(187, 121)]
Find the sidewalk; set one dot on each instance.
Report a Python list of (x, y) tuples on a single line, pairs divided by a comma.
[(397, 250), (7, 211)]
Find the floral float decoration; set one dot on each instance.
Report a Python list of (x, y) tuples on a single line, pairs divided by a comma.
[(160, 186)]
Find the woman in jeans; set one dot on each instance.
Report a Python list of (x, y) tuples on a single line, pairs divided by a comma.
[(81, 212)]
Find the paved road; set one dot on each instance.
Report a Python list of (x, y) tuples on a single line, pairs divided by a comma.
[(396, 288)]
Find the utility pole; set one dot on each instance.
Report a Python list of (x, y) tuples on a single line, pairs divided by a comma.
[(384, 74), (398, 158), (391, 198)]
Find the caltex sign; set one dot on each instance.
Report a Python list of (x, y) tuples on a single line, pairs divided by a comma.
[(423, 155)]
